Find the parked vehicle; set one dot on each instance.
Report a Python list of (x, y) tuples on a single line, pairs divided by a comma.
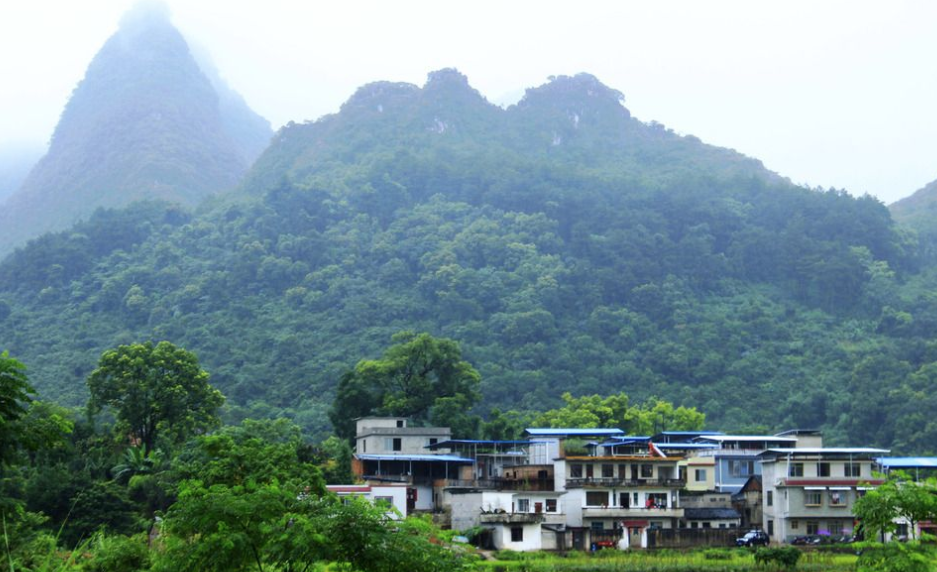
[(753, 538)]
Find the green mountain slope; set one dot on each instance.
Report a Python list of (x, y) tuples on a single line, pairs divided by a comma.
[(565, 245), (144, 123)]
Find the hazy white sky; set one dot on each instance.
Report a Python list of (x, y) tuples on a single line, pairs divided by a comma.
[(836, 93)]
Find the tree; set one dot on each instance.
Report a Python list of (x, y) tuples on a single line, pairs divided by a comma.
[(14, 403), (412, 376), (898, 497), (154, 391)]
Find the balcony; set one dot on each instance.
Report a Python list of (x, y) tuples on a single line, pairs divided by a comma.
[(576, 483), (631, 513), (499, 484), (511, 518)]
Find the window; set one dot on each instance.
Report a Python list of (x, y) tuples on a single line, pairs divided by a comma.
[(770, 498), (517, 534), (392, 444), (433, 441), (700, 475), (596, 498), (364, 445), (622, 472), (598, 525), (694, 525), (608, 471), (852, 470), (813, 527), (813, 498), (575, 471), (740, 469), (770, 528), (656, 500), (836, 528), (797, 469), (399, 423), (551, 505), (398, 444), (647, 471), (385, 503), (823, 469), (707, 525), (795, 525), (837, 498), (523, 505)]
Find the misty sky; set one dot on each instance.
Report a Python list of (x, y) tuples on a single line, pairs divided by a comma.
[(828, 93)]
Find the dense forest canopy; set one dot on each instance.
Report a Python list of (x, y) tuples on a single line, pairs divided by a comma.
[(565, 245)]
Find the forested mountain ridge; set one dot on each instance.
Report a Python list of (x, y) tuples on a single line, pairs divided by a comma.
[(146, 122), (565, 245), (919, 212)]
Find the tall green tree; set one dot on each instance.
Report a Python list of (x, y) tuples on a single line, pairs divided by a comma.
[(413, 375), (14, 403), (154, 391)]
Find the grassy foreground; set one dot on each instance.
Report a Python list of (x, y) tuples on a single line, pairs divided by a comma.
[(715, 560)]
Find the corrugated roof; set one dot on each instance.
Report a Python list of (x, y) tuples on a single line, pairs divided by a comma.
[(432, 458), (687, 445), (908, 462), (722, 438), (827, 451), (557, 432), (448, 442)]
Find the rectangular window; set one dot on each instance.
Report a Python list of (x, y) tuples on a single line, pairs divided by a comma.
[(823, 469), (523, 505), (700, 475), (813, 498), (837, 498), (770, 528), (608, 471), (551, 505), (813, 527), (797, 469), (400, 423), (795, 525), (433, 441), (770, 498), (694, 525), (517, 534), (623, 472), (398, 443), (741, 469), (598, 525), (364, 446), (836, 528), (575, 471), (647, 471), (596, 498), (852, 470), (385, 503)]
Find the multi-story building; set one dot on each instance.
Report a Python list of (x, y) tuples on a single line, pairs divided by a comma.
[(735, 457), (811, 490)]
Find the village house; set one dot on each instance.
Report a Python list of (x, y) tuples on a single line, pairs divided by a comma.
[(810, 491)]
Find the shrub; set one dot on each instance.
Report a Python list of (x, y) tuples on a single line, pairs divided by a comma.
[(717, 554), (784, 557)]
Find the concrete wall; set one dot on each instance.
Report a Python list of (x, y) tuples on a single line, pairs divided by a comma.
[(532, 538)]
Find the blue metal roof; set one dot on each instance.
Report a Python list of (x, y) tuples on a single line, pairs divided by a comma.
[(686, 445), (691, 433), (430, 458), (559, 432), (908, 462)]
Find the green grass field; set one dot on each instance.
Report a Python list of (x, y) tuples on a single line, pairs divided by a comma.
[(715, 560)]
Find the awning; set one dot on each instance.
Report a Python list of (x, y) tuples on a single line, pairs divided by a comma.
[(840, 488), (814, 488)]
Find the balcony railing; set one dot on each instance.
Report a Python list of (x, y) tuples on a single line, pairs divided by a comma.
[(511, 517), (499, 484), (578, 482), (631, 512)]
